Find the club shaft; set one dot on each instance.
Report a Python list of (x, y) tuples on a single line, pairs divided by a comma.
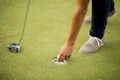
[(25, 20)]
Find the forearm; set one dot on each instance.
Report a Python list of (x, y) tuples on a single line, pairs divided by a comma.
[(77, 21)]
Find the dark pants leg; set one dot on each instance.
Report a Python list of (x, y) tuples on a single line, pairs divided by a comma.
[(112, 6), (100, 9)]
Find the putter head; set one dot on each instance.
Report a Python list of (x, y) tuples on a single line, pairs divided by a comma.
[(14, 47), (55, 60)]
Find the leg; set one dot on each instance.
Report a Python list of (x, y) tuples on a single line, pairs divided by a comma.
[(112, 7), (88, 19), (100, 9)]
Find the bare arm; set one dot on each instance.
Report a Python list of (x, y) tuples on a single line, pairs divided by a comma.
[(77, 20)]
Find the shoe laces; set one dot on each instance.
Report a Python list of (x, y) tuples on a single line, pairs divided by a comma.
[(93, 39)]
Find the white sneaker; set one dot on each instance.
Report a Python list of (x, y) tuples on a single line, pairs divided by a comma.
[(92, 45)]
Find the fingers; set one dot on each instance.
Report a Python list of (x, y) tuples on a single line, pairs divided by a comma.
[(66, 58), (63, 57)]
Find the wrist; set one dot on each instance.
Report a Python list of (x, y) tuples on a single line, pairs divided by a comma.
[(71, 43)]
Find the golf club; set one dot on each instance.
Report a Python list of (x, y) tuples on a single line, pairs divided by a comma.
[(15, 46)]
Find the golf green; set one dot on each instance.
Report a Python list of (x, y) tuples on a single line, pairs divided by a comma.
[(46, 30)]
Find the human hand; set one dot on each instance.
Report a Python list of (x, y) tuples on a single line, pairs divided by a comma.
[(65, 52)]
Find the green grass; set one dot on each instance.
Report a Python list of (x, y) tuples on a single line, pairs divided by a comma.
[(46, 30)]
